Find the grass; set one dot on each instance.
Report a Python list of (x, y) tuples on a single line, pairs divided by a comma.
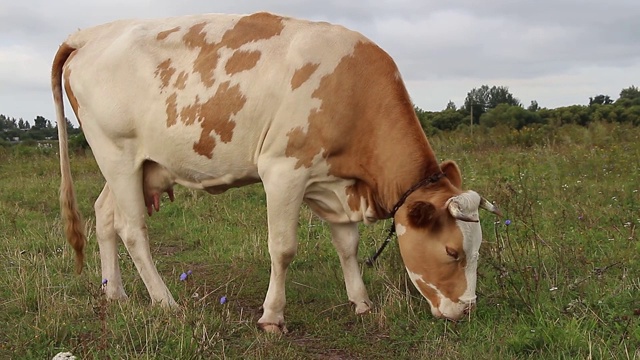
[(561, 281)]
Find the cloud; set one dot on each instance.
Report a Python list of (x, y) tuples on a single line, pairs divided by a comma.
[(556, 52), (22, 67)]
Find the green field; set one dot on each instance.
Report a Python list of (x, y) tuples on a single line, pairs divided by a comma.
[(561, 281)]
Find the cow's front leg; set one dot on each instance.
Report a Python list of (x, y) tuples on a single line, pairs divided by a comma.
[(345, 239), (284, 197), (108, 244)]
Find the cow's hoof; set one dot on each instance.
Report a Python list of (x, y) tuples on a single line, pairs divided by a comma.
[(116, 295), (363, 307), (168, 304), (273, 328)]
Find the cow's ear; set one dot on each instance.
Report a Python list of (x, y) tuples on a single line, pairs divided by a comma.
[(421, 214), (452, 171)]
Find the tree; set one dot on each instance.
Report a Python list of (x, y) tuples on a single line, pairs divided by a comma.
[(39, 122), (512, 116), (629, 96), (425, 120), (447, 119), (480, 100), (632, 92), (600, 100), (534, 106), (451, 106), (69, 125), (501, 95), (603, 113), (631, 114), (574, 114), (5, 123)]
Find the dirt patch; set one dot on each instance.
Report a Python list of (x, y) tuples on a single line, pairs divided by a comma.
[(316, 349), (167, 250)]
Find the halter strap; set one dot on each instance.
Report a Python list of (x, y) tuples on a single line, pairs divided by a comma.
[(392, 229)]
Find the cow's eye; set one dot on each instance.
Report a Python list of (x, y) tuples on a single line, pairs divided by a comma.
[(452, 252)]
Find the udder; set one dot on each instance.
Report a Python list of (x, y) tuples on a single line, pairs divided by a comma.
[(156, 180)]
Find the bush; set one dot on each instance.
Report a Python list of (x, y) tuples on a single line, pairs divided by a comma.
[(78, 143)]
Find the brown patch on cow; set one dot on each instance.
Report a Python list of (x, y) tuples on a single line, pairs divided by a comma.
[(214, 115), (352, 201), (181, 80), (191, 113), (428, 292), (260, 26), (302, 75), (207, 59), (303, 146), (366, 129), (354, 194), (172, 109), (164, 34), (422, 214), (165, 71), (241, 61)]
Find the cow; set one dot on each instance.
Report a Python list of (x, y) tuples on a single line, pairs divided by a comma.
[(317, 113)]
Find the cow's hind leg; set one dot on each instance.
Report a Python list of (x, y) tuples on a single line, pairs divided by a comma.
[(345, 238), (108, 244), (284, 198), (124, 178)]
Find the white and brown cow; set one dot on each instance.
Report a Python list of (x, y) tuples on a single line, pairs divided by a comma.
[(317, 113)]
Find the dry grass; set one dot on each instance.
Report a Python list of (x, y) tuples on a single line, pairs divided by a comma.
[(561, 281)]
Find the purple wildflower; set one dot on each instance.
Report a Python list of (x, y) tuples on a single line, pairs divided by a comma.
[(104, 281), (507, 222), (189, 272), (183, 276), (223, 300)]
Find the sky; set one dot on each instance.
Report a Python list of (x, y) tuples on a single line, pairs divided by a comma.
[(556, 52)]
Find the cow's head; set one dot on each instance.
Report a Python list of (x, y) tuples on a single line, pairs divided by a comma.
[(439, 236)]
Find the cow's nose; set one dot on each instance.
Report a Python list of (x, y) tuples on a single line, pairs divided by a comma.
[(469, 307)]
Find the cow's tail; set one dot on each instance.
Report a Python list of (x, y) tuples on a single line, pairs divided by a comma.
[(73, 224)]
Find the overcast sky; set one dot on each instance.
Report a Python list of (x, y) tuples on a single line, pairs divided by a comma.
[(557, 52)]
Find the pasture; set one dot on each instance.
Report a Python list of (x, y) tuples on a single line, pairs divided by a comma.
[(562, 280)]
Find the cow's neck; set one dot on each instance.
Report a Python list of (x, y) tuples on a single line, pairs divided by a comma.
[(411, 161), (376, 138), (395, 156)]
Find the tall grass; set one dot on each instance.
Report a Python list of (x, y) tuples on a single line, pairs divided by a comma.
[(562, 280)]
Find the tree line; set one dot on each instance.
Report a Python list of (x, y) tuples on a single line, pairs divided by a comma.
[(485, 106), (14, 130), (496, 106)]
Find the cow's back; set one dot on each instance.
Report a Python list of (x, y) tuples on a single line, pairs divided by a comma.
[(214, 87)]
